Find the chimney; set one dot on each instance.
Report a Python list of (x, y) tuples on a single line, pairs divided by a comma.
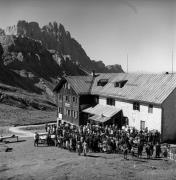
[(93, 73)]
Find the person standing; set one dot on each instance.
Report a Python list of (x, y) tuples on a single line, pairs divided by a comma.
[(36, 139), (147, 149), (79, 147), (48, 139), (158, 150), (85, 148), (165, 153), (46, 127), (140, 149), (125, 151), (151, 149)]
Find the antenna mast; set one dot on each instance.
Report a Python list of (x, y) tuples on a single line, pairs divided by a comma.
[(127, 63), (172, 61)]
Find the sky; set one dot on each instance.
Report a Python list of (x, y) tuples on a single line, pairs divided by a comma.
[(109, 30)]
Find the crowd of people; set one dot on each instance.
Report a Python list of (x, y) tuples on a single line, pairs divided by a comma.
[(106, 139)]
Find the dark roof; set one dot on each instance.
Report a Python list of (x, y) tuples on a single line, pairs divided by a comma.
[(80, 84), (59, 85)]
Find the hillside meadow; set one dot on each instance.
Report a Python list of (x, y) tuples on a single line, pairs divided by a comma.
[(14, 116)]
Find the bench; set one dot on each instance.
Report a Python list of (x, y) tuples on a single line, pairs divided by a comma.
[(8, 137)]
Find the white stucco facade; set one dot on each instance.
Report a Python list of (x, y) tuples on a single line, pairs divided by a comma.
[(152, 120)]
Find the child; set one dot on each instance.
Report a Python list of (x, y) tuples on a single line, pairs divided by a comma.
[(165, 153)]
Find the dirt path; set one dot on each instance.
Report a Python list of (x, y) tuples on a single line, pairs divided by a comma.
[(26, 131), (48, 162), (20, 132)]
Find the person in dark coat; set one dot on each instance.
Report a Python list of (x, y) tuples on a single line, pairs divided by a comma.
[(165, 153), (147, 149), (48, 139), (151, 149), (140, 149), (158, 150)]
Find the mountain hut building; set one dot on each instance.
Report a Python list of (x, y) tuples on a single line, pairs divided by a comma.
[(134, 100)]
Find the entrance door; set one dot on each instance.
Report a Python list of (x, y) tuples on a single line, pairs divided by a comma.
[(142, 125)]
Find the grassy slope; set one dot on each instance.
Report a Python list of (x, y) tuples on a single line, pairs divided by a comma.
[(10, 115)]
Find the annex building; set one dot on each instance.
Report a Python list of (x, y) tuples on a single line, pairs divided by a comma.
[(126, 99)]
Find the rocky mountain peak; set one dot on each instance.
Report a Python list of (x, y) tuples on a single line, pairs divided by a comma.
[(32, 58), (2, 32), (61, 28)]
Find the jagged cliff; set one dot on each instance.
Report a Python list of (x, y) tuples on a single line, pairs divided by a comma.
[(55, 37), (33, 58)]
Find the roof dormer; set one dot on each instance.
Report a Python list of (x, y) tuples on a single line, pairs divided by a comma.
[(120, 84), (102, 82)]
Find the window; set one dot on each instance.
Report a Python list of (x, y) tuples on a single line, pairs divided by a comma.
[(68, 86), (110, 101), (74, 99), (150, 108), (60, 110), (67, 98), (75, 114), (142, 125), (136, 106), (102, 82), (120, 84), (69, 112), (72, 113)]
